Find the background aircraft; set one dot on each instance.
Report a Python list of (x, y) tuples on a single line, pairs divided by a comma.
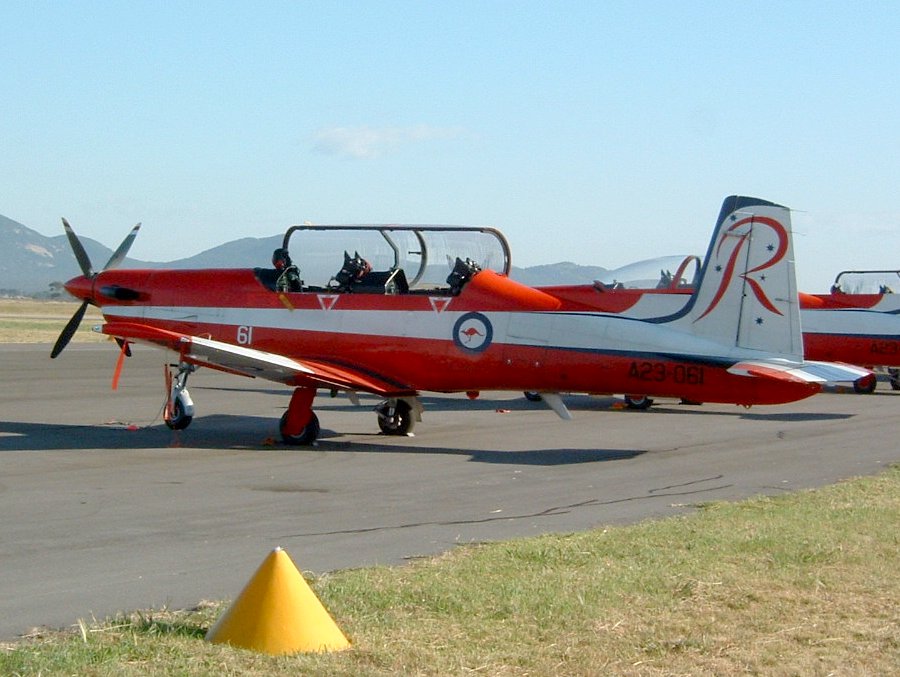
[(857, 322), (402, 327)]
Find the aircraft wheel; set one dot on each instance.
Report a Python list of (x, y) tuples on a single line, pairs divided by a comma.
[(865, 385), (533, 396), (179, 420), (306, 436), (638, 401), (895, 378), (395, 418)]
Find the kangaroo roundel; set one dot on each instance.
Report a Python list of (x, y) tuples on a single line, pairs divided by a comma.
[(473, 332)]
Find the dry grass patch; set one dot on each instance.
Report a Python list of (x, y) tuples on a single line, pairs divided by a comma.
[(31, 321)]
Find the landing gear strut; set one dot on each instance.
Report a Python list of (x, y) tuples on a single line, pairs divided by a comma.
[(179, 410), (299, 424)]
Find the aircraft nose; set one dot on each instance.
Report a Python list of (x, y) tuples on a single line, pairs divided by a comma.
[(80, 287)]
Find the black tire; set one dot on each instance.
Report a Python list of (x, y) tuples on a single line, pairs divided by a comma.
[(865, 385), (307, 436), (395, 420), (533, 396), (179, 420), (639, 402), (895, 378)]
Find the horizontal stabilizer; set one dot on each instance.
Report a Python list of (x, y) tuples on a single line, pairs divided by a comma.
[(824, 373), (836, 373)]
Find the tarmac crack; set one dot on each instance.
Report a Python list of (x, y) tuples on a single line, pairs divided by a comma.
[(548, 512)]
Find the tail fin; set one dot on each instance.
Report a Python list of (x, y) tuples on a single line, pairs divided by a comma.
[(747, 294)]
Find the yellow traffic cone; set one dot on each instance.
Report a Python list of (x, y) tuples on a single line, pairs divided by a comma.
[(278, 613)]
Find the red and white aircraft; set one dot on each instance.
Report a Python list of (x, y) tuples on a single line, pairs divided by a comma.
[(857, 322), (394, 332)]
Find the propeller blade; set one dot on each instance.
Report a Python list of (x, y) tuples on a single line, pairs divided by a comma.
[(119, 255), (69, 330), (84, 261)]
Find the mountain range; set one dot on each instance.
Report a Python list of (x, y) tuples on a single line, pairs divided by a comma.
[(35, 264)]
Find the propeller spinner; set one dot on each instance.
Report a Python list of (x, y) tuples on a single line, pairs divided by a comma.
[(87, 280)]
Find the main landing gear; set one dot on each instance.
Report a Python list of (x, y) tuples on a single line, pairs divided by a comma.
[(300, 426), (398, 416), (179, 409)]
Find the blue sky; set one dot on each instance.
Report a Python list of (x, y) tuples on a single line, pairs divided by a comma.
[(594, 132)]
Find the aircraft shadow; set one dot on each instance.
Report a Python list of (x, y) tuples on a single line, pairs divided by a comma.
[(257, 434), (18, 436), (537, 457)]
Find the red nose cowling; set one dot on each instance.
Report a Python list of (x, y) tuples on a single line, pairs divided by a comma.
[(81, 287)]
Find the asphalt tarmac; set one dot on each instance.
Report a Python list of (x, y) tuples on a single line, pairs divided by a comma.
[(103, 509)]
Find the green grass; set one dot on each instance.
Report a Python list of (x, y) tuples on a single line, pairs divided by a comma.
[(802, 584)]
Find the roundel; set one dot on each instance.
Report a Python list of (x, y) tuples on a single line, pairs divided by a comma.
[(473, 332)]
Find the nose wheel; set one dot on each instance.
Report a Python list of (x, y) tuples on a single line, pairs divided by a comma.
[(179, 410), (178, 418)]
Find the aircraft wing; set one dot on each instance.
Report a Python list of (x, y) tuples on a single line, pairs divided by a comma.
[(246, 361), (825, 373)]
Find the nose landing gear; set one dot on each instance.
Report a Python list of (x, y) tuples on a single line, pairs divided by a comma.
[(179, 410)]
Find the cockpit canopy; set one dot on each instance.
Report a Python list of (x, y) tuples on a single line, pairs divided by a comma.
[(665, 272), (427, 255), (867, 282)]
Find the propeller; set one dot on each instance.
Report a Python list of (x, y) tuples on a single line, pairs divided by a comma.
[(84, 262), (69, 330)]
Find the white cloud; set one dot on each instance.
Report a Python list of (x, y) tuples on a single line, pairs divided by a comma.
[(370, 142)]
